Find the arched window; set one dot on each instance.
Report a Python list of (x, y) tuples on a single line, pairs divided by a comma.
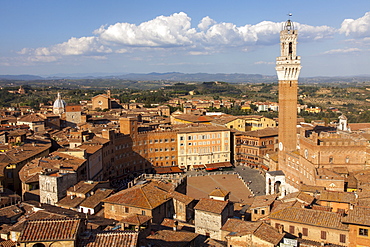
[(38, 245)]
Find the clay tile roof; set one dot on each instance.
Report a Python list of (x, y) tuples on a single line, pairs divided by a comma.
[(148, 196), (167, 238), (219, 192), (240, 226), (210, 205), (312, 188), (68, 202), (96, 198), (310, 217), (269, 234), (181, 197), (7, 243), (83, 187), (337, 196), (30, 118), (136, 219), (91, 149), (300, 196), (358, 216), (49, 230), (114, 238), (10, 211), (262, 132), (263, 201)]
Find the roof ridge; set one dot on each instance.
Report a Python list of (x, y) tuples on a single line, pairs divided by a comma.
[(146, 198)]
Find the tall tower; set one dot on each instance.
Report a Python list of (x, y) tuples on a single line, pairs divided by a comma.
[(288, 66)]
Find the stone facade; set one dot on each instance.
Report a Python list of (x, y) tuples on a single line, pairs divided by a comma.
[(210, 216), (73, 115), (101, 101), (53, 186)]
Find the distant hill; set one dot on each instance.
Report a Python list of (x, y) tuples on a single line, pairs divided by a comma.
[(195, 77), (21, 77)]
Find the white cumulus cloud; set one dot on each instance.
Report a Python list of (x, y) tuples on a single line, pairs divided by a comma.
[(162, 31), (205, 23), (358, 28), (174, 32)]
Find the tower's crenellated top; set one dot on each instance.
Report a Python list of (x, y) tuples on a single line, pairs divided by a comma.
[(288, 64)]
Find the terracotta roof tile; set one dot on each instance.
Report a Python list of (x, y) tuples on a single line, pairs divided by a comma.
[(8, 243), (181, 197), (358, 216), (240, 226), (49, 230), (167, 238), (263, 201), (93, 200), (310, 217), (269, 234), (30, 118), (136, 219), (10, 211), (113, 238), (337, 196), (219, 192), (148, 195), (210, 205), (70, 202)]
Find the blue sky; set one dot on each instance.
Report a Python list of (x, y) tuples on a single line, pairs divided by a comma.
[(44, 37)]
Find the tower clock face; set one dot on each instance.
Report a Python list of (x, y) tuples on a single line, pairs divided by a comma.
[(280, 146)]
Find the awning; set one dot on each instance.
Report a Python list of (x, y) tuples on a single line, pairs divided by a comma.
[(215, 166), (167, 169)]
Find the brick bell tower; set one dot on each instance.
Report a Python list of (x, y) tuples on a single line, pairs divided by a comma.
[(288, 66)]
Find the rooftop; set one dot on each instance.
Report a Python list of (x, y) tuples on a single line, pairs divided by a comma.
[(310, 217), (40, 230), (211, 205)]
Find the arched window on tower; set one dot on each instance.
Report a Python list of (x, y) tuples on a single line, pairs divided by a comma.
[(290, 49)]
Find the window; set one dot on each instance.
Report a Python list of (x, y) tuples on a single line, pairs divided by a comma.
[(127, 210), (331, 160), (304, 231), (277, 225), (142, 212), (262, 211), (342, 238), (291, 229), (363, 232), (323, 235), (181, 138), (256, 211)]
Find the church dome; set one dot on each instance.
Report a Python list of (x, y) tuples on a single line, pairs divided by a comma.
[(59, 103)]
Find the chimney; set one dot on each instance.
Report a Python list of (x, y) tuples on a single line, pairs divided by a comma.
[(176, 223)]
